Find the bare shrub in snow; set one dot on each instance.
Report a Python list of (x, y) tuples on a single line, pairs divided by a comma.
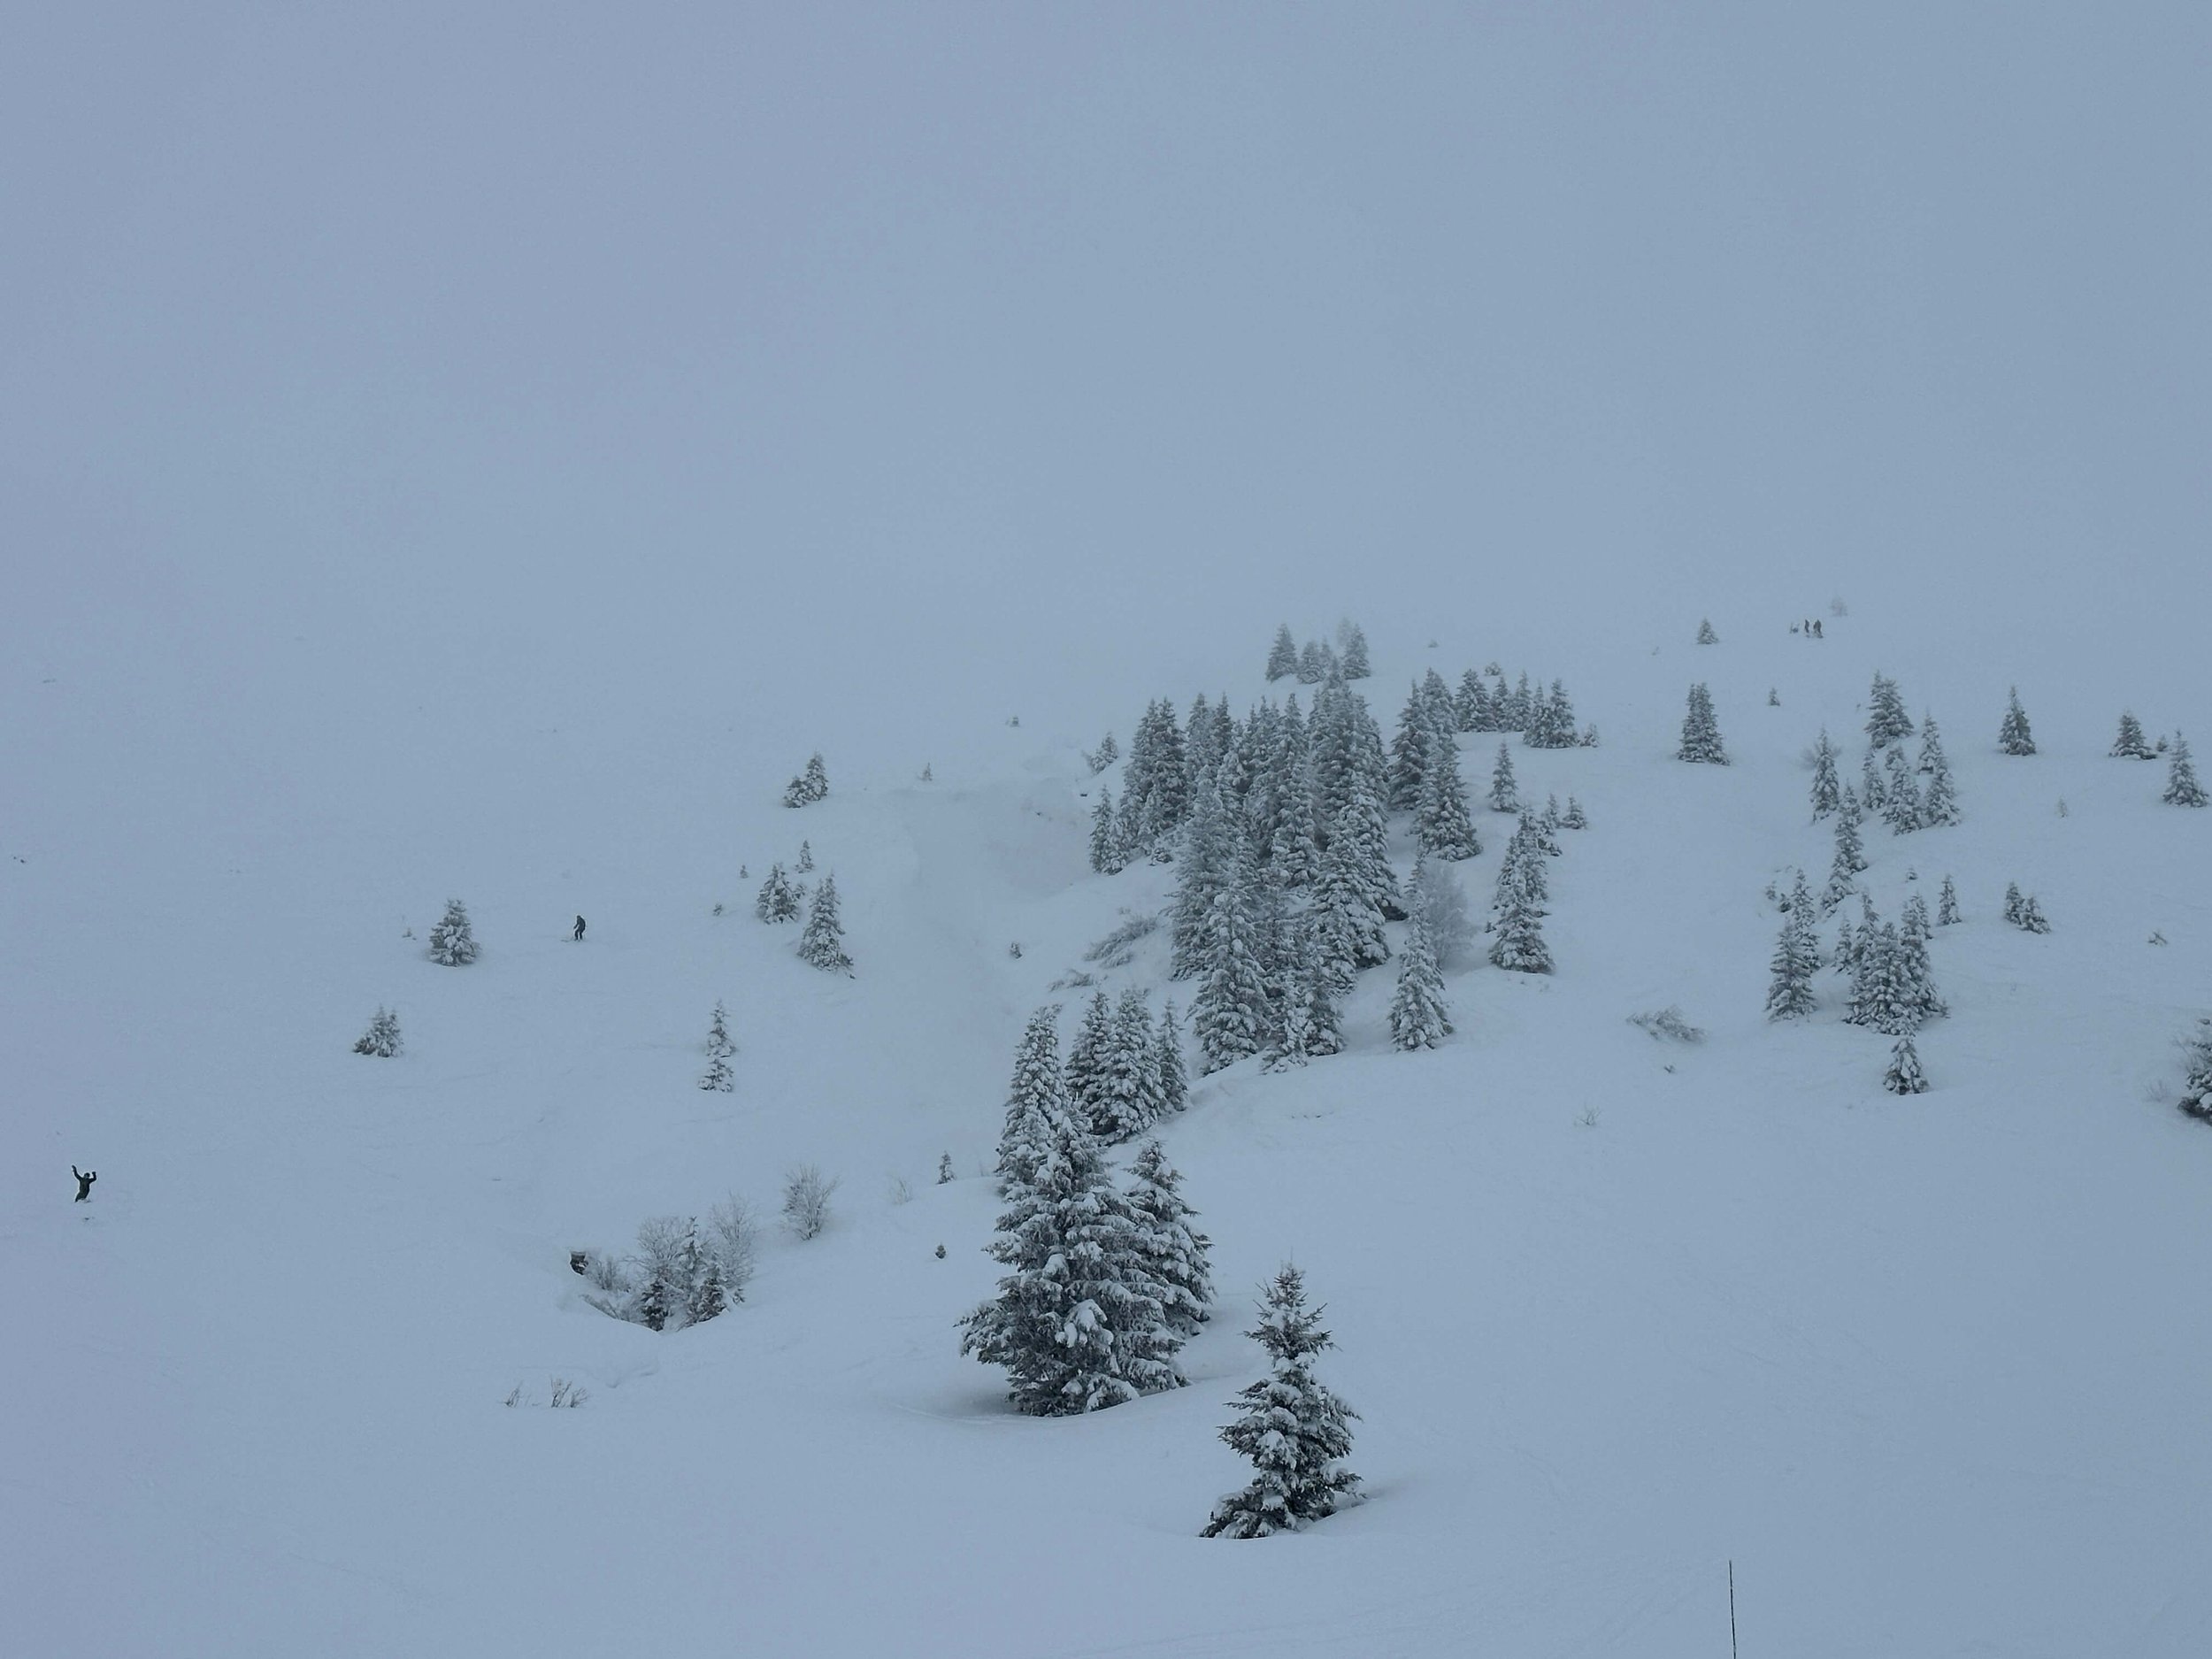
[(806, 1196), (1667, 1024), (1117, 949)]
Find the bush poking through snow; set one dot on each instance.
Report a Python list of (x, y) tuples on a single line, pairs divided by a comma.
[(1667, 1024), (806, 1206)]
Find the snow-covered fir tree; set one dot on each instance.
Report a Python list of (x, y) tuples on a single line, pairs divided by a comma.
[(1886, 721), (1232, 1015), (1409, 752), (812, 785), (1442, 826), (1315, 660), (822, 941), (1470, 705), (1352, 649), (1213, 850), (1282, 656), (1796, 959), (1517, 924), (706, 1279), (1173, 1252), (2182, 787), (1827, 791), (1079, 1323), (1130, 1101), (1295, 1432), (1904, 1076), (2131, 744), (1918, 997), (2014, 903), (1312, 1025), (1504, 792), (1774, 697), (1948, 905), (1900, 796), (1088, 1065), (1553, 726), (1347, 911), (1524, 705), (1873, 794), (1106, 855), (2013, 737), (1105, 755), (1850, 855), (1037, 1096), (717, 1076), (452, 941), (1938, 801), (1705, 634), (1701, 733), (1171, 1079), (1417, 1015), (1573, 817), (805, 866), (779, 897), (381, 1039), (2031, 918)]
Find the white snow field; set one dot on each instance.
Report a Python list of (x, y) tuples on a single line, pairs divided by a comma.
[(1927, 1370), (482, 452)]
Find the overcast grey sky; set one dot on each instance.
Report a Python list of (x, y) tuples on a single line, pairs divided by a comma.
[(596, 322)]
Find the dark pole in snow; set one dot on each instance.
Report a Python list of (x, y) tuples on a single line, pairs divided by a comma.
[(1732, 1610)]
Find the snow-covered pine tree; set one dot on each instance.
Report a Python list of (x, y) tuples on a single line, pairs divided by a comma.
[(1036, 1096), (2182, 787), (1471, 707), (1573, 817), (1939, 802), (1312, 1024), (822, 941), (717, 1075), (1282, 658), (1517, 923), (2013, 737), (1827, 791), (1409, 752), (1904, 1076), (1313, 663), (778, 899), (2031, 918), (1079, 1324), (1353, 645), (2013, 903), (1790, 991), (1231, 1014), (1213, 848), (1948, 905), (1850, 855), (381, 1039), (1523, 708), (1774, 698), (1701, 733), (1105, 755), (1886, 721), (452, 941), (1900, 796), (1293, 847), (2131, 744), (1873, 795), (2196, 1088), (1106, 858), (1417, 1015), (1167, 798), (1086, 1071), (1441, 826), (1295, 1432), (805, 866), (1705, 634), (1173, 1252), (1504, 793), (1918, 999), (1553, 725), (1130, 1103), (1349, 916), (1167, 1062)]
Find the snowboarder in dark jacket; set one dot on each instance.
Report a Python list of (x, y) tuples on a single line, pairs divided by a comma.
[(84, 1182), (578, 935)]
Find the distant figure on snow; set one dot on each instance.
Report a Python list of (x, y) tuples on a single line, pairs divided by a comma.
[(84, 1182), (1816, 632), (578, 935)]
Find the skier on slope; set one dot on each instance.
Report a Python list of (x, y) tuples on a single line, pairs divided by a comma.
[(578, 935)]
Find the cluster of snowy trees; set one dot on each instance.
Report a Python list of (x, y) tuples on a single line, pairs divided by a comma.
[(1122, 1075), (783, 899), (1891, 981), (1544, 720), (811, 784), (1910, 793), (1315, 661), (2025, 913), (382, 1037), (1106, 1281), (681, 1273)]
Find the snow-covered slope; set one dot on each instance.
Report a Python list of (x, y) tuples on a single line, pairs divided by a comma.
[(1615, 1312)]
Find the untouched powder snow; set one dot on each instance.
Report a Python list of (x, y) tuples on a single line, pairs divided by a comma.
[(1614, 1311)]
